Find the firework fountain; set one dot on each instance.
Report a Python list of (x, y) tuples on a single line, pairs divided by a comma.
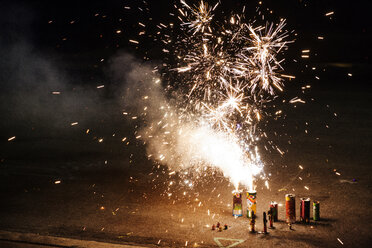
[(225, 72)]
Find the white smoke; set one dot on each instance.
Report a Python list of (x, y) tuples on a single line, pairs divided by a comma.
[(178, 142)]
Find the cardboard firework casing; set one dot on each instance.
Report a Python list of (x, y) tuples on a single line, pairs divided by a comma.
[(290, 208), (316, 210), (305, 210), (251, 203), (274, 210), (237, 204)]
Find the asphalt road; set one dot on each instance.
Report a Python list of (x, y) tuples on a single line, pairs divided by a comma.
[(75, 187)]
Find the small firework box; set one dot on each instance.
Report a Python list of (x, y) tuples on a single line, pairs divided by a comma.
[(237, 204), (290, 208), (251, 203), (274, 210), (305, 210), (316, 210)]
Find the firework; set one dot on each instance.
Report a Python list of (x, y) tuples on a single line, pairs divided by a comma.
[(305, 210), (316, 210), (225, 72), (274, 210), (237, 204), (251, 203), (290, 208)]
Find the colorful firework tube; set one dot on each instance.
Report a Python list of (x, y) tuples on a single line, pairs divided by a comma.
[(237, 204), (274, 210), (290, 208), (305, 210), (251, 203), (316, 210)]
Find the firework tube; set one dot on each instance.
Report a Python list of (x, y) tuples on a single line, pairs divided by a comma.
[(305, 210), (251, 203), (270, 218), (265, 222), (316, 210), (290, 208), (274, 210), (237, 204), (252, 221)]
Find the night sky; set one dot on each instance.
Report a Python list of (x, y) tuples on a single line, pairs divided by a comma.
[(347, 32), (78, 39)]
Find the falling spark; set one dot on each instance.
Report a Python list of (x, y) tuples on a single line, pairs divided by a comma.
[(329, 13), (134, 41), (11, 138), (296, 99), (287, 76), (74, 123), (339, 240)]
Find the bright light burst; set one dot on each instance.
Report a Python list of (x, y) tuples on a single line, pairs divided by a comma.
[(226, 71)]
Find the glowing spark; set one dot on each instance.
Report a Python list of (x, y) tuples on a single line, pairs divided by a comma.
[(134, 41), (339, 240), (296, 99)]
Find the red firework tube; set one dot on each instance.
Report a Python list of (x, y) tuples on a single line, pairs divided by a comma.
[(270, 214), (274, 210), (305, 210), (290, 208)]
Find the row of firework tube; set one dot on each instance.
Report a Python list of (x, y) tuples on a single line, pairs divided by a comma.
[(290, 206), (290, 209)]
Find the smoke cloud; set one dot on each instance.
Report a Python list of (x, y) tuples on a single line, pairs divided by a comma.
[(174, 138)]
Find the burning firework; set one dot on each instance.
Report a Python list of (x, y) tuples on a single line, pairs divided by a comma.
[(225, 71)]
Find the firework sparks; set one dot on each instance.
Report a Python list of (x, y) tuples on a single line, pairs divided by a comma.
[(227, 70)]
